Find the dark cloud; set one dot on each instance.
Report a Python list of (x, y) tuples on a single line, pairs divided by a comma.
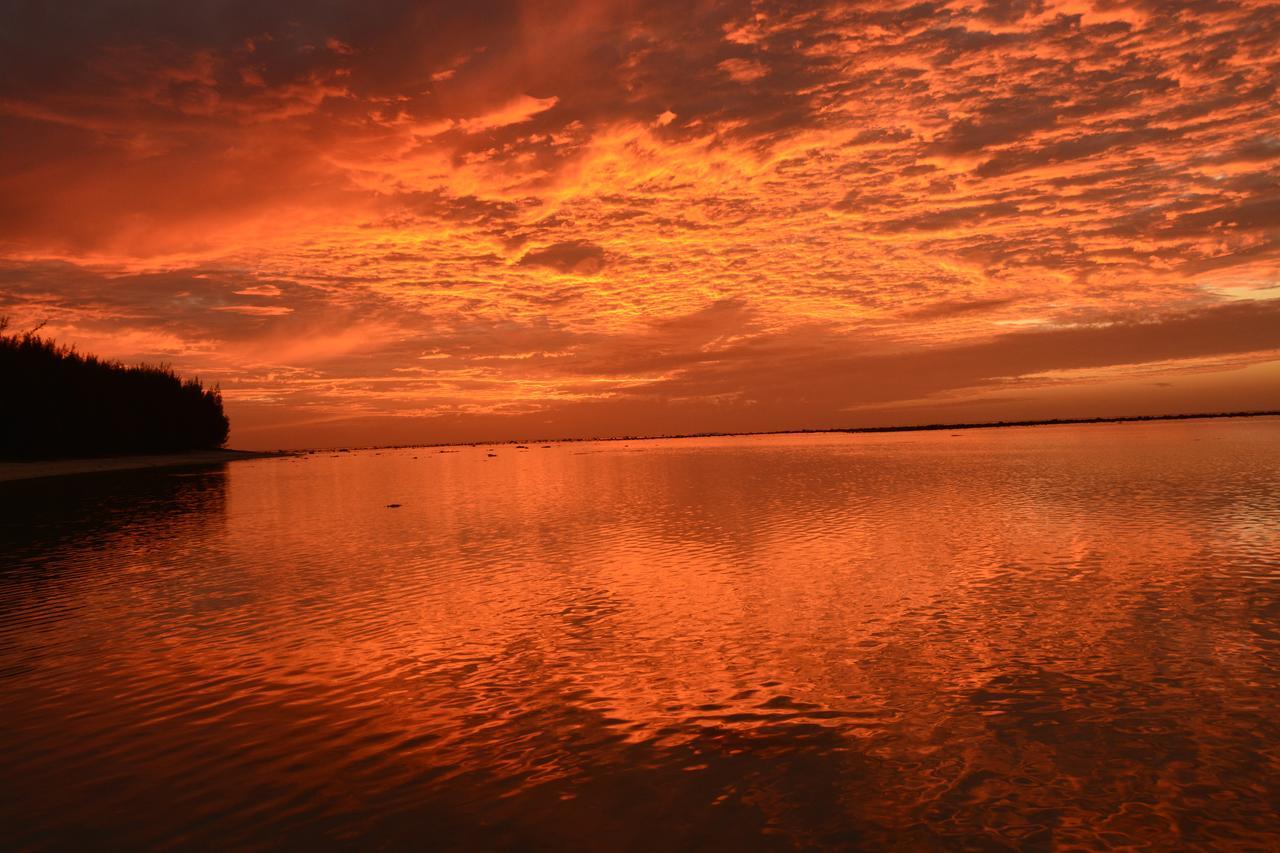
[(811, 368), (936, 220), (951, 309), (574, 256)]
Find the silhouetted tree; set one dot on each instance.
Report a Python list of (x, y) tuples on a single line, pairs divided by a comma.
[(55, 401)]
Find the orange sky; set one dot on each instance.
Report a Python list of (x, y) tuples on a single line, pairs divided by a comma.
[(384, 222)]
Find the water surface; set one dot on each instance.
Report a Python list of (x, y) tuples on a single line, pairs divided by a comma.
[(1018, 638)]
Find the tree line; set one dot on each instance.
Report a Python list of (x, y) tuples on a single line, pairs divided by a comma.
[(57, 402)]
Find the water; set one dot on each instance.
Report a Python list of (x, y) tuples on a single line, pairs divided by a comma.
[(1019, 638)]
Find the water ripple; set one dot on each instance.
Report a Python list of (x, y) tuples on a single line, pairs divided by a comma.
[(1057, 637)]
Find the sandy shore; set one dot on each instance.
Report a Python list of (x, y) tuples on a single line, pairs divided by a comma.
[(63, 467)]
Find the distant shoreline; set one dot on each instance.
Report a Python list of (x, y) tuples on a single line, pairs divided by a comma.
[(16, 470), (12, 470), (816, 431), (1051, 422)]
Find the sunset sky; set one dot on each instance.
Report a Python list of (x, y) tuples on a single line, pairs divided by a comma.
[(391, 222)]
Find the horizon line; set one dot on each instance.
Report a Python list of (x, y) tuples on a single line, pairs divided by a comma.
[(934, 427)]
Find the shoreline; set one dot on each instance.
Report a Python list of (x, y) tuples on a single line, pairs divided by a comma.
[(14, 470), (932, 427), (11, 470)]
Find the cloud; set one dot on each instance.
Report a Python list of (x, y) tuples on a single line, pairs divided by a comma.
[(515, 111), (743, 70), (260, 290), (952, 309), (257, 310), (821, 371), (574, 256), (967, 216), (742, 212)]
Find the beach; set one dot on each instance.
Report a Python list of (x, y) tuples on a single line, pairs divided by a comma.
[(15, 470)]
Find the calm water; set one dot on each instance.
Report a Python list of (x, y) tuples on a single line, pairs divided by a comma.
[(1024, 638)]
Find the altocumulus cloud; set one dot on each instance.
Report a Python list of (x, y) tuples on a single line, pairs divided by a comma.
[(502, 215)]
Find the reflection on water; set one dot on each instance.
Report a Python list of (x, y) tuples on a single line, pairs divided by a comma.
[(1021, 638)]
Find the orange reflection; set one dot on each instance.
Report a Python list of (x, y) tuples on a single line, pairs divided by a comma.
[(1007, 637)]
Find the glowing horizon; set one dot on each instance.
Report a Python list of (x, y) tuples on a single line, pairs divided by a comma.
[(386, 223)]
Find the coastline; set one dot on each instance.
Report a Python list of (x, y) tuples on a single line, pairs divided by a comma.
[(14, 470), (934, 427)]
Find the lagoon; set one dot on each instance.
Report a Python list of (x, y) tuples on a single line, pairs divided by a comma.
[(1063, 636)]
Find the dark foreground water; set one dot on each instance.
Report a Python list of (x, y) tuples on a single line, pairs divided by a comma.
[(1056, 637)]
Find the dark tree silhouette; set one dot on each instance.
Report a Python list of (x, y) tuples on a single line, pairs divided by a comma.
[(55, 402)]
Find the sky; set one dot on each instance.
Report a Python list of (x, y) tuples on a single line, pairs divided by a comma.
[(385, 222)]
